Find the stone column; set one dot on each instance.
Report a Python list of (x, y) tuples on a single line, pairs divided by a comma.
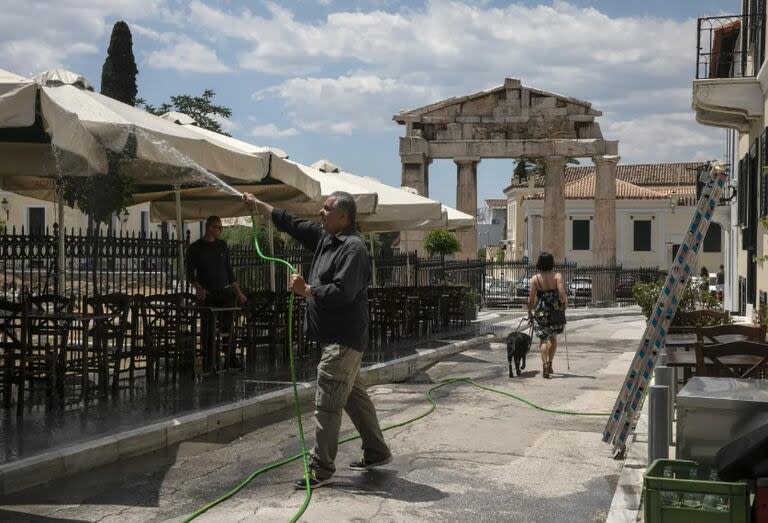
[(466, 201), (415, 174), (604, 244), (554, 208), (605, 209), (535, 227)]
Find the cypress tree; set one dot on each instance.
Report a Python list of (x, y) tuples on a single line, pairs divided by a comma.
[(118, 76)]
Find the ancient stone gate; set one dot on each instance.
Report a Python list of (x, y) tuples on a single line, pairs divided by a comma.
[(513, 121)]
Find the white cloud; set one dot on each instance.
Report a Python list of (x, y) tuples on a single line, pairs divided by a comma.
[(665, 137), (39, 35), (228, 125), (187, 55), (636, 69), (342, 105), (270, 130)]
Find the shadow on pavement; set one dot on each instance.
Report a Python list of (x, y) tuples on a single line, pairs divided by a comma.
[(386, 484)]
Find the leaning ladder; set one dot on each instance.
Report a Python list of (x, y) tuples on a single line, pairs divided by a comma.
[(635, 384)]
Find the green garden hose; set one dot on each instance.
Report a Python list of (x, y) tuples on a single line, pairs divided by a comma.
[(303, 454)]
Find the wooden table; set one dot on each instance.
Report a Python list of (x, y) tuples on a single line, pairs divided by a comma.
[(687, 341), (687, 361)]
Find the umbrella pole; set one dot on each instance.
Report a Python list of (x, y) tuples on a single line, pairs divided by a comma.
[(179, 236), (373, 259), (61, 272), (407, 268), (271, 231)]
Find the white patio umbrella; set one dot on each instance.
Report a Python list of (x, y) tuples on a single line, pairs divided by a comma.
[(17, 100), (84, 127)]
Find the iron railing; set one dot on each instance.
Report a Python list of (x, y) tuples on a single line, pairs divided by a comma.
[(730, 46), (97, 264)]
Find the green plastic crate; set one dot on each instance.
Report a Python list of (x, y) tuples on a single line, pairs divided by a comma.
[(659, 494)]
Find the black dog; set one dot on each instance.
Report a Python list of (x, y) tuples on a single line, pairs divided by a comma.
[(518, 345)]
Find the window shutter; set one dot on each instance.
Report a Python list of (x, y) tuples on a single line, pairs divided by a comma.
[(763, 196)]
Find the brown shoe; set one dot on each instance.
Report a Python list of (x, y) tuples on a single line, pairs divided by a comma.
[(549, 366), (545, 371)]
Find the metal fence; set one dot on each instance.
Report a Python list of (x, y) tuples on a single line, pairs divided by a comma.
[(95, 263), (101, 263)]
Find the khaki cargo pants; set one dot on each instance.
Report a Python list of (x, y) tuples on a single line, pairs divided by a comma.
[(340, 387)]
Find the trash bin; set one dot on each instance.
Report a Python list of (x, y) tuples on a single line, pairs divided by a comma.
[(711, 412)]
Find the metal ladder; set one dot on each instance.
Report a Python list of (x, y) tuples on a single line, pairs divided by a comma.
[(634, 387)]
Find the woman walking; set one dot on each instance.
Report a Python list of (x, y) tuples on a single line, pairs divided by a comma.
[(546, 308)]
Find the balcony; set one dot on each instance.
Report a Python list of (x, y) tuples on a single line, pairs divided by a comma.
[(727, 92)]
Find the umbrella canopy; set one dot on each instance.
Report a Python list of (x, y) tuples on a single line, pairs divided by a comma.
[(86, 125), (189, 123), (279, 190), (17, 100)]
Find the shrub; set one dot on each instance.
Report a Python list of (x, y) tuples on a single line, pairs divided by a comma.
[(693, 298)]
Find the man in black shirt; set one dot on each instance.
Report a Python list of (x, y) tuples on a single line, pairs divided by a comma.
[(337, 317), (209, 270)]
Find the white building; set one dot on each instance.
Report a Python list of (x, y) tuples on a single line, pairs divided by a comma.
[(654, 207)]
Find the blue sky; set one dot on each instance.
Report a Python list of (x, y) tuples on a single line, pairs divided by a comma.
[(322, 78)]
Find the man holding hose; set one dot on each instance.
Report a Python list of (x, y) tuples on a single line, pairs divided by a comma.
[(337, 317)]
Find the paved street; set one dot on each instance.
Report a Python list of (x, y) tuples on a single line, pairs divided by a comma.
[(479, 457)]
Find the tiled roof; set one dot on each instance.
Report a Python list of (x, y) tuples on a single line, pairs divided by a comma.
[(496, 202), (643, 174), (584, 189)]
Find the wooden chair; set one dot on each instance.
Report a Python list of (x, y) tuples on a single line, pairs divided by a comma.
[(708, 335), (13, 350), (715, 353), (47, 358), (260, 327), (168, 334), (114, 335)]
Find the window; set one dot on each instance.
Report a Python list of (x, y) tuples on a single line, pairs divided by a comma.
[(36, 220), (642, 236), (144, 224), (712, 241), (580, 235)]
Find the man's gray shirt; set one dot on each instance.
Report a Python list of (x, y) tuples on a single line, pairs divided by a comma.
[(337, 312)]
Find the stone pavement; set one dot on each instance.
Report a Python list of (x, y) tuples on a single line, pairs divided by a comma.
[(478, 457)]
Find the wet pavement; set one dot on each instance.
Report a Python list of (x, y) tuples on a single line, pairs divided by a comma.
[(42, 429), (478, 457)]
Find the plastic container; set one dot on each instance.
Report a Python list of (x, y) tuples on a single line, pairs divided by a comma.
[(671, 496)]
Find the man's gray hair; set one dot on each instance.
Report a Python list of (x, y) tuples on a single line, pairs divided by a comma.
[(346, 203)]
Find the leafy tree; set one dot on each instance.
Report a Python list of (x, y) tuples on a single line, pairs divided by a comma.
[(103, 195), (118, 75), (441, 242), (199, 108), (527, 167), (482, 254)]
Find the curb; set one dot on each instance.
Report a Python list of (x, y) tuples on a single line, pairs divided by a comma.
[(42, 468), (627, 498)]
